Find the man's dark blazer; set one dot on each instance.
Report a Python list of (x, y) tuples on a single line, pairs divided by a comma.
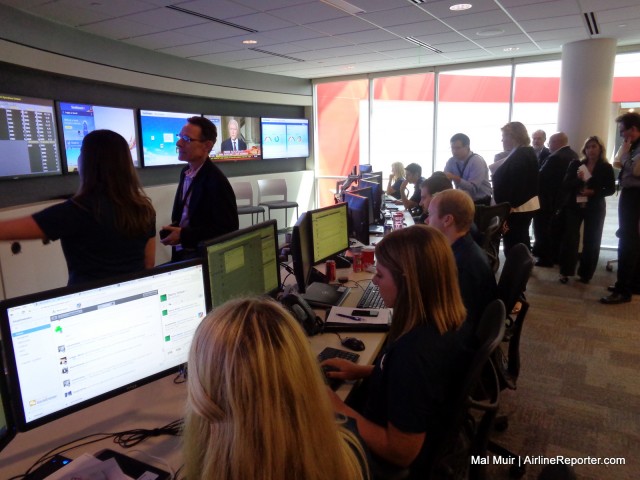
[(516, 180), (551, 176), (542, 156), (227, 145), (212, 206)]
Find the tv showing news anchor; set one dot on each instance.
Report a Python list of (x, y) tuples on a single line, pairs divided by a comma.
[(238, 138)]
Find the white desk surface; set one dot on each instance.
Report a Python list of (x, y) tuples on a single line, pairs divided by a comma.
[(150, 406)]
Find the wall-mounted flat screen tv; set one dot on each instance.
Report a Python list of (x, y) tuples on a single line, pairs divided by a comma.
[(28, 137), (159, 136), (285, 138), (238, 138), (78, 119)]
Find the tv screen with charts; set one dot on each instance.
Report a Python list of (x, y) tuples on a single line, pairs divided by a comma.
[(72, 347), (238, 138), (244, 262), (285, 138), (78, 119), (159, 136), (28, 137)]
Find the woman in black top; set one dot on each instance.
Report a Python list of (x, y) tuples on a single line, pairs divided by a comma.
[(586, 184)]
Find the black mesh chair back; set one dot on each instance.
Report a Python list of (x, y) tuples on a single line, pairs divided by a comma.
[(489, 220)]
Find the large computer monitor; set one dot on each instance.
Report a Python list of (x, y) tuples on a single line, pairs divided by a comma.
[(329, 231), (376, 195), (7, 425), (159, 136), (244, 262), (301, 253), (72, 347), (285, 137), (365, 192), (78, 119), (28, 137), (247, 133), (359, 211)]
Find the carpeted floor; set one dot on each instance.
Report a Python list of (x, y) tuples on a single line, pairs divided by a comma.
[(578, 392)]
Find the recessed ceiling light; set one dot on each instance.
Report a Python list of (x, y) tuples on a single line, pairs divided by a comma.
[(349, 67), (489, 32), (511, 49), (622, 25), (249, 42), (460, 6)]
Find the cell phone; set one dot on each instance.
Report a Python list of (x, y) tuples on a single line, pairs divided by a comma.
[(365, 313)]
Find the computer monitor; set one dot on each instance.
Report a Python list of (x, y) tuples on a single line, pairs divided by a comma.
[(247, 136), (159, 136), (329, 231), (301, 251), (365, 168), (376, 194), (7, 425), (244, 262), (73, 347), (78, 119), (285, 138), (28, 137), (359, 210), (366, 192)]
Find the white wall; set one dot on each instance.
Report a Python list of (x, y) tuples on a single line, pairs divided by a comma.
[(41, 267)]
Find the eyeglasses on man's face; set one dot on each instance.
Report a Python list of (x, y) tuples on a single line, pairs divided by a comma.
[(187, 138)]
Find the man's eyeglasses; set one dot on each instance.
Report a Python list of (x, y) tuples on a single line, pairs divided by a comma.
[(187, 138)]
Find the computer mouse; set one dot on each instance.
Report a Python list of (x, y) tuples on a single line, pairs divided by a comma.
[(353, 343)]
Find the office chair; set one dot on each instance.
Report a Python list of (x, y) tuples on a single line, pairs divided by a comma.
[(511, 287), (489, 220), (465, 437), (244, 198), (275, 187)]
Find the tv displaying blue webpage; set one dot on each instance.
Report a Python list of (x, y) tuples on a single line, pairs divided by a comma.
[(28, 137), (72, 347), (78, 119), (238, 138), (159, 136), (285, 138)]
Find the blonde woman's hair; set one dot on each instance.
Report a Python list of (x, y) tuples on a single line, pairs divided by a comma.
[(398, 170), (518, 132), (257, 406), (421, 262)]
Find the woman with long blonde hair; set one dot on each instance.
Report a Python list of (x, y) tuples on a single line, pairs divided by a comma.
[(257, 407), (411, 384), (395, 180)]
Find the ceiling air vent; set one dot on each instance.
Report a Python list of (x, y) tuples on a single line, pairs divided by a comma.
[(212, 19), (276, 54), (592, 25)]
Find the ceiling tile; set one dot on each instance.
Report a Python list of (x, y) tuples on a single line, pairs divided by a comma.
[(156, 41), (223, 9), (308, 13), (119, 28), (340, 25)]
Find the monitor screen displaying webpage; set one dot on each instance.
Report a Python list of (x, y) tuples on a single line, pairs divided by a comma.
[(159, 136), (78, 119), (244, 262), (285, 137), (72, 347), (28, 137)]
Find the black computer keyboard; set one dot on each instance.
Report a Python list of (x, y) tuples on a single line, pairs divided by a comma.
[(371, 298), (330, 352)]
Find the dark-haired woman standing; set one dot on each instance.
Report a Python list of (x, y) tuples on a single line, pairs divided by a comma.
[(587, 183), (108, 227)]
